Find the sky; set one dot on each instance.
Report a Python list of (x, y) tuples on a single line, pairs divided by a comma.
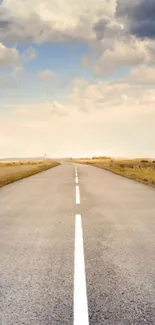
[(77, 78)]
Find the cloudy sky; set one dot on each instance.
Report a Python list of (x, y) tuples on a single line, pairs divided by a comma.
[(77, 78)]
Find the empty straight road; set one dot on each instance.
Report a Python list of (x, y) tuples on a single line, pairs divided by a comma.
[(77, 246)]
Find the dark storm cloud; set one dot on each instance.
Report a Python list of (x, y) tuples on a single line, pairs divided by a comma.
[(4, 23), (100, 28), (104, 29), (140, 16)]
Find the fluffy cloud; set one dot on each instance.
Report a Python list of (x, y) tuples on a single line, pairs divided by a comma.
[(86, 96), (122, 54), (8, 56), (113, 97), (59, 109), (113, 118), (106, 26), (40, 112), (52, 20), (45, 75), (142, 75)]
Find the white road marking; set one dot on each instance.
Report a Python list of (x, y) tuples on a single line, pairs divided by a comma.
[(80, 292), (77, 194), (76, 180), (76, 173)]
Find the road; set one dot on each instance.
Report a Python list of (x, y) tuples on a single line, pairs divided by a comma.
[(77, 246)]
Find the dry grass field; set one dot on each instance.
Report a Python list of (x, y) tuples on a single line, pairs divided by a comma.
[(11, 171), (142, 170)]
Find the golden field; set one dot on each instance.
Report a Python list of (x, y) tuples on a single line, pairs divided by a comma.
[(11, 171), (142, 170)]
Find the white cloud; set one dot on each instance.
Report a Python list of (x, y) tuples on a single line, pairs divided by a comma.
[(59, 109), (122, 54), (40, 111), (8, 56), (121, 126), (142, 75), (98, 115), (45, 74), (94, 22), (116, 118), (86, 96), (53, 20)]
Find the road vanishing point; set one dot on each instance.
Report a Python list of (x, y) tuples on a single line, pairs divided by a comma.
[(77, 247)]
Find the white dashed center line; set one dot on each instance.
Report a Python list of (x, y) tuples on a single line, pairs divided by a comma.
[(77, 194), (77, 189), (80, 291)]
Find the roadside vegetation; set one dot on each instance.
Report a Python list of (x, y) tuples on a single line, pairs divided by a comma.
[(11, 171), (142, 170)]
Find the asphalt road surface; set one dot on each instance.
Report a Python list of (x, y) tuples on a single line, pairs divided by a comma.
[(77, 246)]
